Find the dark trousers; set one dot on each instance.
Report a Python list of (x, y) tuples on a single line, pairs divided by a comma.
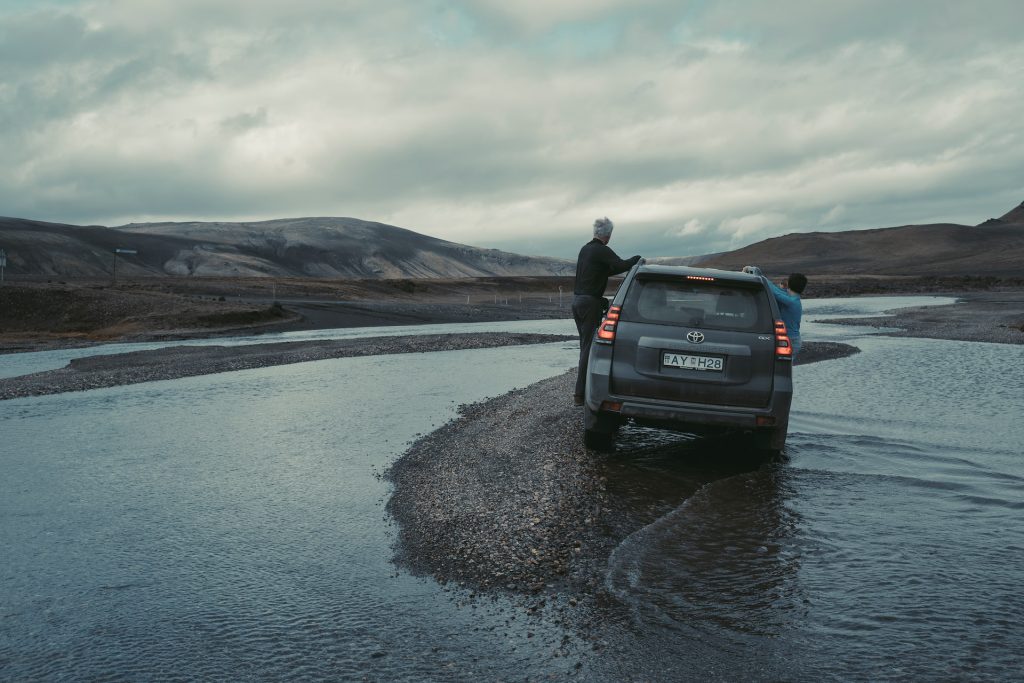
[(587, 311)]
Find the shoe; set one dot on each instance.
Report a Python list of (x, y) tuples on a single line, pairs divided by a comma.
[(577, 400)]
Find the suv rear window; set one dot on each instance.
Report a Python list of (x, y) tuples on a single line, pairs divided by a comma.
[(695, 303)]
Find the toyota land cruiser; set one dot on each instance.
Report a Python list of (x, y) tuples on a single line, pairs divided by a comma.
[(690, 349)]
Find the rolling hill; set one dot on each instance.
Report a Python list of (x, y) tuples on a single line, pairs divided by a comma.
[(299, 247), (353, 248), (994, 248)]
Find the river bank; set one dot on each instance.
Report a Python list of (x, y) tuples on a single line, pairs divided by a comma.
[(94, 372), (45, 316), (50, 315), (980, 316)]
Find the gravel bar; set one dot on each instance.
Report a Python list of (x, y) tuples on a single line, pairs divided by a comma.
[(506, 498), (96, 372), (989, 316)]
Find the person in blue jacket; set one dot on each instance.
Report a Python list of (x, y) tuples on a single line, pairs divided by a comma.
[(791, 308)]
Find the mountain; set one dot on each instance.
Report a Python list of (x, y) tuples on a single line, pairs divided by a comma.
[(353, 248), (1014, 215), (296, 247), (995, 248)]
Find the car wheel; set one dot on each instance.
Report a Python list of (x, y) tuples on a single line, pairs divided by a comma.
[(598, 430), (597, 441)]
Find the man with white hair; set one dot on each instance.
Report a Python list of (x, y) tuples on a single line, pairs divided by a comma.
[(593, 267)]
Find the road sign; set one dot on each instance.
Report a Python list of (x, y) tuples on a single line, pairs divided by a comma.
[(3, 258), (125, 251)]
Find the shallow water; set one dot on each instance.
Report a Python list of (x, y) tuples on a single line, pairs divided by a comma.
[(232, 527)]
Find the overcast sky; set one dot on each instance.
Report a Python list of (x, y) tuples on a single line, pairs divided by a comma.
[(697, 126)]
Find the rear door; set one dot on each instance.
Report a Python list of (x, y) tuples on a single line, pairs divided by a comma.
[(696, 340)]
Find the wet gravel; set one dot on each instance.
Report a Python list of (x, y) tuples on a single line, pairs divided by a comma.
[(94, 372), (990, 316), (505, 497), (813, 352), (502, 497)]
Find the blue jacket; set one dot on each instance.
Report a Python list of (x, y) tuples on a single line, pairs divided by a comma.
[(791, 309)]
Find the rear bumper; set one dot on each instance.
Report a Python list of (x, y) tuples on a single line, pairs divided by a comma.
[(680, 415), (691, 416), (683, 415)]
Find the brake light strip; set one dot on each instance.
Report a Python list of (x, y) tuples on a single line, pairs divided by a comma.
[(783, 345), (606, 331)]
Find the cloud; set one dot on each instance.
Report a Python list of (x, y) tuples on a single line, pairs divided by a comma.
[(493, 122), (833, 215), (741, 229), (239, 123), (692, 227)]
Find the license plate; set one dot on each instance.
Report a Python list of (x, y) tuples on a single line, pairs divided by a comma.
[(686, 361)]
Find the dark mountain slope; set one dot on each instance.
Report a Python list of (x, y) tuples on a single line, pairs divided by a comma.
[(310, 247), (939, 249), (60, 250)]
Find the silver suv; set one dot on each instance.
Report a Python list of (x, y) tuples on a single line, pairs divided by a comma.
[(690, 349)]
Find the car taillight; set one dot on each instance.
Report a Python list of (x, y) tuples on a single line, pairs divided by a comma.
[(783, 347), (606, 332)]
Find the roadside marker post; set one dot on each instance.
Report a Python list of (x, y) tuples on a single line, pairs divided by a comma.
[(3, 264), (116, 252)]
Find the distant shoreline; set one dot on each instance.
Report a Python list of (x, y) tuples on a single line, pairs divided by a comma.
[(993, 317), (87, 315)]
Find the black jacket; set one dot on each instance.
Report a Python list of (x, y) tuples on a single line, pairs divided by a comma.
[(596, 262)]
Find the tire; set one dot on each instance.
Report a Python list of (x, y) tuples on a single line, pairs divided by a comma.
[(596, 441), (599, 430)]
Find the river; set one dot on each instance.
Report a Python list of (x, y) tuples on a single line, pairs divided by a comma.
[(231, 526)]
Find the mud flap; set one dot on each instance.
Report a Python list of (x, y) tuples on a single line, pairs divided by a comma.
[(770, 440), (607, 423)]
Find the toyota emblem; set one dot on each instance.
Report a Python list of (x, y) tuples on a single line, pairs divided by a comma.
[(695, 337)]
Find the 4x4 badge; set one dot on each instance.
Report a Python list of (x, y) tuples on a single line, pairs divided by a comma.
[(695, 337)]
